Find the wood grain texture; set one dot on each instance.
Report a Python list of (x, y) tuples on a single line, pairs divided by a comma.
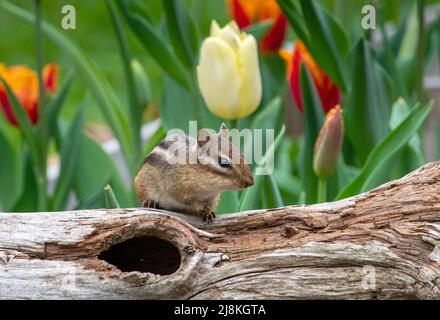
[(381, 244)]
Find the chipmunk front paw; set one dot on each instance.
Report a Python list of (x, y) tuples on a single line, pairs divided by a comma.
[(208, 216), (150, 204)]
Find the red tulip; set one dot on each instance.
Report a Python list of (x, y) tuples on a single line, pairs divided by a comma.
[(24, 83), (328, 92), (246, 12)]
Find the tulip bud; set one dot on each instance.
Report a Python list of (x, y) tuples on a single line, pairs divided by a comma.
[(228, 72), (328, 145)]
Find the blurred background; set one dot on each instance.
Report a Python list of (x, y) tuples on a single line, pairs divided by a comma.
[(386, 80), (95, 34)]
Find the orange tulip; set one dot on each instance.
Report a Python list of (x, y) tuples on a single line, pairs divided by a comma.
[(246, 12), (328, 92), (24, 83)]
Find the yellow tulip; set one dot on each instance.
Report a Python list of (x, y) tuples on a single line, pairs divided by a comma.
[(228, 72)]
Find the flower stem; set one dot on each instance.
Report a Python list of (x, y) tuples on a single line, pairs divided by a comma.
[(322, 190), (234, 124), (194, 93), (421, 50), (41, 175), (39, 47)]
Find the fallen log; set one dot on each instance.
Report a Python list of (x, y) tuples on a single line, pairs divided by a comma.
[(383, 244)]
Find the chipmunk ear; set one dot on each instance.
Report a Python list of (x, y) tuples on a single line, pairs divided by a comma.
[(223, 130), (203, 137)]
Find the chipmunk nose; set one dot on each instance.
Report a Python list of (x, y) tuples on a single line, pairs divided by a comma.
[(249, 181)]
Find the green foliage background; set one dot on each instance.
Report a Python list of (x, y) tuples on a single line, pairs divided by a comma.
[(383, 138)]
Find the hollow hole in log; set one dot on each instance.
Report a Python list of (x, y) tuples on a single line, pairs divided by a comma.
[(144, 254)]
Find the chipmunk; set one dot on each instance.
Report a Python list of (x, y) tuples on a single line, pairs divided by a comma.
[(192, 187)]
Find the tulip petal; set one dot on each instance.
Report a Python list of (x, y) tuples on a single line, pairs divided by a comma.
[(250, 91), (6, 107), (275, 37), (218, 78), (23, 82), (230, 34), (239, 14), (329, 93), (50, 78), (215, 30), (287, 56), (246, 12)]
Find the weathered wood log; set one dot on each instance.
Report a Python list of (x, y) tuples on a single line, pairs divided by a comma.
[(380, 244)]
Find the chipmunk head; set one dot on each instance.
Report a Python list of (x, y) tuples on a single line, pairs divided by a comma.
[(222, 161)]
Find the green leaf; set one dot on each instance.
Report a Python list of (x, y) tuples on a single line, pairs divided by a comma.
[(328, 42), (400, 111), (182, 31), (287, 156), (391, 144), (259, 29), (340, 34), (179, 106), (273, 77), (155, 45), (314, 119), (368, 110), (69, 158), (95, 199), (136, 109), (154, 140), (396, 40), (92, 76), (110, 198), (95, 169), (344, 175), (11, 174), (408, 46), (288, 184), (271, 193), (28, 201), (55, 105), (389, 62), (267, 159), (249, 197), (293, 13), (147, 10), (228, 202), (143, 85), (267, 118)]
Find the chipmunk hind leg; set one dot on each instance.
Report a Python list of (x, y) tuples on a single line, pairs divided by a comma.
[(145, 186)]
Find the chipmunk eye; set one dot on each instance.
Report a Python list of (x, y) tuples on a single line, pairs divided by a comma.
[(224, 163)]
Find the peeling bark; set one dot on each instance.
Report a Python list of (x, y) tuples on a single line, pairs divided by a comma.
[(381, 244)]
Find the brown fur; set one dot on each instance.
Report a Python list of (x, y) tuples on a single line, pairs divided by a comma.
[(188, 188)]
